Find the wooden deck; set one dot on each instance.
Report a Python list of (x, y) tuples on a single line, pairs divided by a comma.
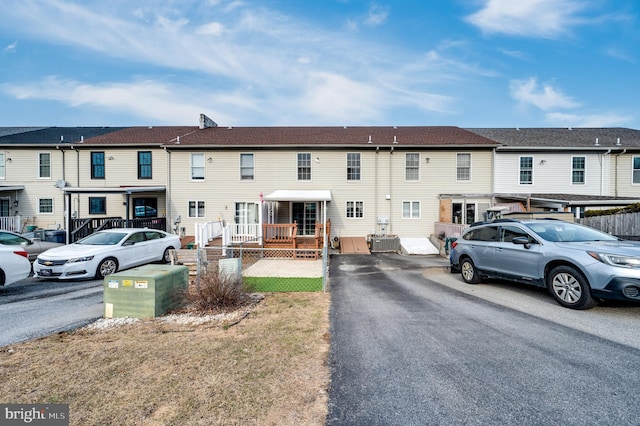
[(354, 245)]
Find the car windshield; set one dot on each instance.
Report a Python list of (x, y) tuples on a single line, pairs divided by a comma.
[(103, 239), (569, 232)]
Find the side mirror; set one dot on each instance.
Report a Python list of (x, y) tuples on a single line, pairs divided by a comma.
[(523, 241)]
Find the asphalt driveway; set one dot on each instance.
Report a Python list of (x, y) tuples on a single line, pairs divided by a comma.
[(408, 350)]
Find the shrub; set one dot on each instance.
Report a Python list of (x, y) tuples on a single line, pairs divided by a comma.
[(215, 292)]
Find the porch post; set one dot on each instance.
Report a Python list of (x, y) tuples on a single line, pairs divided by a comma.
[(324, 246)]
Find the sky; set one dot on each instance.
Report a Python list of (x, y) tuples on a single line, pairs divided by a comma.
[(466, 63)]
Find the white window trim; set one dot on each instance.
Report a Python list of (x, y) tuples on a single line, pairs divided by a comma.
[(632, 161), (584, 170), (346, 159), (419, 167), (310, 167), (354, 217), (411, 217), (3, 161), (470, 167), (533, 170), (50, 165), (253, 166), (191, 166), (53, 205), (204, 214)]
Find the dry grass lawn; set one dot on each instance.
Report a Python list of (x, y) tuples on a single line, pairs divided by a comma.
[(268, 369)]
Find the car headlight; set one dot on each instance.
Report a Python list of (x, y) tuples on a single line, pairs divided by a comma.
[(616, 260), (80, 259)]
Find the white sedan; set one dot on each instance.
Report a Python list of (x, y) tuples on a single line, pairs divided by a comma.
[(14, 264), (106, 252)]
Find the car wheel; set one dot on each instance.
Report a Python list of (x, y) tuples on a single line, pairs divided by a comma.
[(106, 267), (2, 277), (469, 272), (570, 288), (166, 257)]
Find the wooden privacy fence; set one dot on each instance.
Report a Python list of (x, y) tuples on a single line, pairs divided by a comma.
[(623, 225)]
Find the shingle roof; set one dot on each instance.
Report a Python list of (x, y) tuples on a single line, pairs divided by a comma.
[(562, 137), (295, 136), (53, 135)]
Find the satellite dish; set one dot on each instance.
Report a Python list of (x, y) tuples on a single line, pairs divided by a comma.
[(60, 183)]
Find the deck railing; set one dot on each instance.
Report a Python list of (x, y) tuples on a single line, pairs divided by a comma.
[(11, 223), (279, 232), (207, 231)]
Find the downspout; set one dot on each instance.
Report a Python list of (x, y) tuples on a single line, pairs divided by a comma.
[(168, 215), (390, 206), (616, 173), (602, 167)]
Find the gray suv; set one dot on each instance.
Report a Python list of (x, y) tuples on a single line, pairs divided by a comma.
[(578, 264)]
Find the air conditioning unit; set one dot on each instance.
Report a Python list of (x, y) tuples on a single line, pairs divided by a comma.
[(389, 243)]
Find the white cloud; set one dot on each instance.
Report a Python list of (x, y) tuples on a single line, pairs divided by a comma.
[(545, 97), (212, 28), (11, 48), (376, 16), (534, 18)]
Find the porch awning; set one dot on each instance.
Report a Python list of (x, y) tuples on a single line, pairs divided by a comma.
[(299, 195), (12, 188), (114, 190)]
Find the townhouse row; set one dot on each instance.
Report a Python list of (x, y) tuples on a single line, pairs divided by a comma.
[(366, 180)]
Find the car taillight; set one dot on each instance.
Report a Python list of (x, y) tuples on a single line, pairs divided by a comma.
[(454, 244), (22, 253)]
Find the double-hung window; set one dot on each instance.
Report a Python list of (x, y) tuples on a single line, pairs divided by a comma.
[(44, 165), (577, 170), (526, 171), (463, 167), (97, 205), (45, 205), (304, 166), (412, 166), (197, 166), (97, 165), (353, 166), (355, 209), (246, 167), (145, 170), (636, 169)]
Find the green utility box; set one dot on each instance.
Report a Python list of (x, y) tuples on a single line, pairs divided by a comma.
[(145, 292)]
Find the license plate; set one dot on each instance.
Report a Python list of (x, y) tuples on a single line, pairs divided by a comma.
[(45, 272)]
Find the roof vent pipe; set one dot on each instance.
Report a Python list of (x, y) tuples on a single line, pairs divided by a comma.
[(395, 140), (618, 142), (369, 139), (61, 138), (597, 142)]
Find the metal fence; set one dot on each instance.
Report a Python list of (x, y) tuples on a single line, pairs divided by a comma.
[(261, 269)]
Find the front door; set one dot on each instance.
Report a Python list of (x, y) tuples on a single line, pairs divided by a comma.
[(305, 215)]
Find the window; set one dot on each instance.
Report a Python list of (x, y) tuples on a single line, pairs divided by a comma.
[(45, 205), (2, 166), (196, 208), (411, 209), (463, 167), (636, 169), (144, 165), (526, 170), (471, 213), (353, 166), (304, 166), (355, 209), (145, 207), (97, 165), (577, 170), (484, 233), (509, 232), (97, 205), (412, 166), (44, 165), (197, 166), (246, 166)]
